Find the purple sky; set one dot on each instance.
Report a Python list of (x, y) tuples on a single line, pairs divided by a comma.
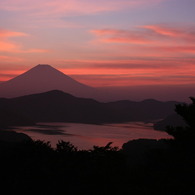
[(101, 43)]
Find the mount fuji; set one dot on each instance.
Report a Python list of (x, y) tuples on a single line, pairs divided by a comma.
[(44, 78)]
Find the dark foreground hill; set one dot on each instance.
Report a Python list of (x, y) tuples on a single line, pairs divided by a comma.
[(142, 167), (171, 120), (13, 137), (57, 106)]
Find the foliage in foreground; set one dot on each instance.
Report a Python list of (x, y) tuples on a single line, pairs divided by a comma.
[(35, 167), (185, 135), (164, 167)]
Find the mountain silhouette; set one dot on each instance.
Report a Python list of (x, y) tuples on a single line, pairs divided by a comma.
[(43, 78), (57, 106)]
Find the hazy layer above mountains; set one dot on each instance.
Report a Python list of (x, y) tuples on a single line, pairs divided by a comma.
[(43, 78), (180, 93)]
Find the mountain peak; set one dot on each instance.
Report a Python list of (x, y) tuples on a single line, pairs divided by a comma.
[(42, 72), (42, 78), (43, 66)]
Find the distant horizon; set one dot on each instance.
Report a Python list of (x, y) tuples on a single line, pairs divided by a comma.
[(75, 87), (79, 79)]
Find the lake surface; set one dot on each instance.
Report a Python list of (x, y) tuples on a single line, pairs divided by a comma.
[(85, 136)]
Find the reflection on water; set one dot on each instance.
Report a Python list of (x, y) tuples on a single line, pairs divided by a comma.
[(85, 136)]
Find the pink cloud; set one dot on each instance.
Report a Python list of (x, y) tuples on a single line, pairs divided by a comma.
[(164, 30), (11, 47), (123, 36), (182, 33), (7, 33), (126, 67), (146, 71), (10, 59), (114, 65), (148, 34), (33, 51), (8, 46), (149, 40), (7, 75), (134, 80), (64, 7), (14, 47), (50, 13), (175, 49)]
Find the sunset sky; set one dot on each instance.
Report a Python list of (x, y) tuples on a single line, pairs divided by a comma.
[(101, 42)]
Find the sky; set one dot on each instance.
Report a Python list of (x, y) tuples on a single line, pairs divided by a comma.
[(101, 43)]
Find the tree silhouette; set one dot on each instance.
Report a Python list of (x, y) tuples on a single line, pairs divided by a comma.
[(106, 148), (187, 112), (65, 147)]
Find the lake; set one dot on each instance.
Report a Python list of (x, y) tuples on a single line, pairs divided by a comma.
[(85, 136)]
